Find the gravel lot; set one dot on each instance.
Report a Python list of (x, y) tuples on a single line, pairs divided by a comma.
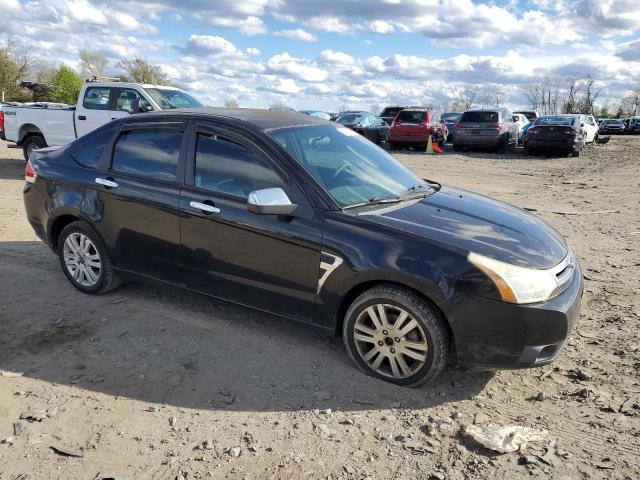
[(147, 382)]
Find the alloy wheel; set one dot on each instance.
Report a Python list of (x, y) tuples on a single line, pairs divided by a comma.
[(390, 341), (82, 259)]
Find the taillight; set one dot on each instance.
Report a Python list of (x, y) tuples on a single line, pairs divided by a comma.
[(1, 120), (494, 127), (30, 174), (458, 126)]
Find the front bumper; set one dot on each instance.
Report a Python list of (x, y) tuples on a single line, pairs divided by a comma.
[(496, 334)]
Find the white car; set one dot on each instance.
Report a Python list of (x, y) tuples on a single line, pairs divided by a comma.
[(42, 125), (520, 120), (589, 127)]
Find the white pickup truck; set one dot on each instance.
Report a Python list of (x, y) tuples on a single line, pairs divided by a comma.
[(33, 127)]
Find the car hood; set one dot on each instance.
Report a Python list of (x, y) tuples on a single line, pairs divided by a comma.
[(475, 223)]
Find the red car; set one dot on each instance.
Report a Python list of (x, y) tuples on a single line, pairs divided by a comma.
[(412, 127)]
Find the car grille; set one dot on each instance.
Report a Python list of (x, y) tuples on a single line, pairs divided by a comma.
[(564, 273)]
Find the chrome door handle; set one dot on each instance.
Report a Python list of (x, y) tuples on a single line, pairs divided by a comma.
[(107, 183), (204, 207)]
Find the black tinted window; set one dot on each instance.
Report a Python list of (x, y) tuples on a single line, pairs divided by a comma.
[(479, 117), (96, 98), (228, 167), (409, 116), (152, 152), (91, 148)]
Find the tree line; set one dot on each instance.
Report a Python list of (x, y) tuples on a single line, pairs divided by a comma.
[(24, 77)]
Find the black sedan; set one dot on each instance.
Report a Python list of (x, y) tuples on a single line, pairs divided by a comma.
[(368, 125), (556, 134), (306, 219)]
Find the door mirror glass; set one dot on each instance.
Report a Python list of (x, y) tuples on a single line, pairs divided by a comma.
[(270, 201)]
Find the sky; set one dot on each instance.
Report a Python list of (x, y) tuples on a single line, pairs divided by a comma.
[(324, 54)]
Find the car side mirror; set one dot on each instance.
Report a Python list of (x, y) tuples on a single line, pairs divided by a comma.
[(145, 108), (270, 201), (582, 124)]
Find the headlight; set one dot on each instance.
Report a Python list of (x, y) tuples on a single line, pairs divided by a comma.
[(517, 284)]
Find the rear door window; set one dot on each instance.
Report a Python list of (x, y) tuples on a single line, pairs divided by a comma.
[(96, 98), (226, 166), (479, 117), (90, 149), (150, 152), (408, 116)]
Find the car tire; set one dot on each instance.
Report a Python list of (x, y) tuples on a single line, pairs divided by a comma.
[(32, 142), (85, 261), (502, 145), (422, 336), (457, 148), (393, 145)]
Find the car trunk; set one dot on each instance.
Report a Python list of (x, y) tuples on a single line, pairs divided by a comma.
[(554, 132), (412, 125), (479, 123)]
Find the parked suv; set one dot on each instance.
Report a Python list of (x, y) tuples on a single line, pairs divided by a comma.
[(306, 219), (485, 128), (412, 127), (389, 113)]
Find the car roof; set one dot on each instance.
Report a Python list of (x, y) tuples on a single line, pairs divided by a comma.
[(262, 119)]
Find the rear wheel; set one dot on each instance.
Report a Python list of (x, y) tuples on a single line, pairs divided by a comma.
[(392, 334), (84, 259), (31, 143), (457, 147)]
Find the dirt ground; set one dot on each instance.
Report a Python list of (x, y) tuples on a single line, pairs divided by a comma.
[(148, 382)]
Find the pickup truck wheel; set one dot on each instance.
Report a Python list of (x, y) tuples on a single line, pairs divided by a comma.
[(31, 143), (84, 259), (392, 334)]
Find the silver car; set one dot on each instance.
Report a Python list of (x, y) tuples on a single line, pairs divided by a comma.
[(492, 127)]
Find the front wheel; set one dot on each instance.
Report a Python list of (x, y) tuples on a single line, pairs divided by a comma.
[(84, 259), (392, 334)]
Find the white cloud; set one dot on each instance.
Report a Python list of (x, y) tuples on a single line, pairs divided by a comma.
[(301, 69), (247, 25), (297, 34), (210, 45)]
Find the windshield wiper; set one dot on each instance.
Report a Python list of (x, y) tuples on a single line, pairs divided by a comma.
[(409, 191), (403, 196), (373, 201)]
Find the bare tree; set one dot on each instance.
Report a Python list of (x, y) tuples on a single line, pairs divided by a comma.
[(231, 102), (15, 66), (92, 64), (544, 95), (468, 97), (141, 71), (632, 102)]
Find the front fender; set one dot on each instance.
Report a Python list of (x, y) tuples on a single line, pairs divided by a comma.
[(370, 254)]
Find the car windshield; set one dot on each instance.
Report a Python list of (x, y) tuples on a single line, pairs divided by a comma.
[(347, 119), (450, 116), (349, 167), (168, 98), (479, 117), (560, 121)]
